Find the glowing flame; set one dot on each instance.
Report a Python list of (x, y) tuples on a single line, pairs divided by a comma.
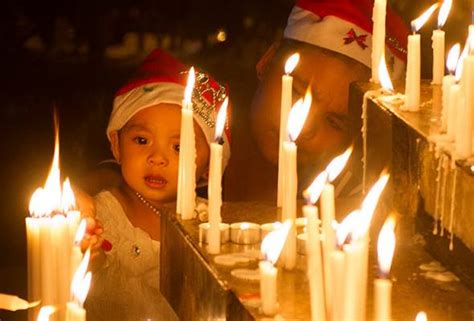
[(38, 207), (421, 316), (273, 243), (220, 122), (221, 35), (460, 64), (188, 92), (444, 12), (298, 114), (370, 203), (79, 278), (83, 290), (384, 76), (453, 57), (291, 63), (81, 231), (45, 312), (386, 246), (244, 226), (68, 201), (347, 227), (421, 20), (336, 166), (313, 192)]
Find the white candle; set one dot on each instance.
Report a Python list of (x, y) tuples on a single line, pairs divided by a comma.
[(49, 279), (315, 267), (75, 312), (353, 271), (215, 185), (286, 100), (448, 81), (412, 82), (453, 110), (438, 43), (61, 267), (337, 264), (289, 204), (34, 262), (465, 145), (328, 216), (378, 36)]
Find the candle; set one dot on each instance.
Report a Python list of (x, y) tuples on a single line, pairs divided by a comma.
[(438, 43), (62, 248), (460, 116), (378, 35), (315, 266), (186, 196), (296, 120), (245, 233), (286, 100), (412, 82), (448, 81), (215, 185), (34, 261), (337, 263), (383, 285), (271, 248), (468, 74), (224, 232), (79, 288), (45, 312)]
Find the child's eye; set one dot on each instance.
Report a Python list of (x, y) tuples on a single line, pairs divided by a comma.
[(176, 147), (141, 140)]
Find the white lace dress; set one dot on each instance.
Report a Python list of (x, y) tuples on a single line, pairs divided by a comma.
[(127, 288)]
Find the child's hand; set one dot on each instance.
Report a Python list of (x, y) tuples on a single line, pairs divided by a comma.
[(97, 258)]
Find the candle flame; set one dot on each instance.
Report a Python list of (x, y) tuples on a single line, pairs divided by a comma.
[(421, 20), (81, 231), (244, 226), (273, 243), (347, 226), (220, 122), (68, 201), (370, 203), (52, 186), (45, 312), (188, 92), (421, 316), (313, 192), (460, 64), (37, 207), (444, 12), (298, 114), (79, 278), (453, 57), (336, 166), (291, 63), (384, 76), (386, 245)]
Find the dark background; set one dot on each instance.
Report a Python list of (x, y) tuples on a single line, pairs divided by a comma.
[(56, 54)]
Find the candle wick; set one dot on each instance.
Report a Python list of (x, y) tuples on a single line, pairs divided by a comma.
[(219, 140)]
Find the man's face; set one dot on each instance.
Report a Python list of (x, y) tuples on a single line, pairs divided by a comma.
[(326, 130)]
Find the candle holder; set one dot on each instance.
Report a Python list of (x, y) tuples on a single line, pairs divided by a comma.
[(269, 227), (204, 227), (245, 233), (301, 243)]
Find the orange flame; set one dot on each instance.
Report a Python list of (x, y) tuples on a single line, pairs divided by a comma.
[(81, 231), (45, 312), (460, 64), (220, 122), (273, 243), (386, 245), (444, 12), (79, 281), (313, 192), (336, 166), (298, 114), (421, 20), (68, 201), (347, 227), (453, 57), (421, 316), (384, 76), (188, 92), (291, 63)]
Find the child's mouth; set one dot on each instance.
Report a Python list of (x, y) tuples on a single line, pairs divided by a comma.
[(155, 181)]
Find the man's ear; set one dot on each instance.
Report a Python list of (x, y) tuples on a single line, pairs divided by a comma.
[(115, 145)]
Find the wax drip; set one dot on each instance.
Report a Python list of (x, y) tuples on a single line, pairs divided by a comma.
[(438, 180), (445, 169), (451, 214)]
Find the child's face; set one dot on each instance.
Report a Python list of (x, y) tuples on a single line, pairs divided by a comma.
[(326, 130), (147, 148)]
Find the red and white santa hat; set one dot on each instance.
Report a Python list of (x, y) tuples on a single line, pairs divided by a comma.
[(345, 26), (161, 78)]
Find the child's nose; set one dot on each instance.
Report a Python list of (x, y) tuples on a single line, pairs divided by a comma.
[(158, 158)]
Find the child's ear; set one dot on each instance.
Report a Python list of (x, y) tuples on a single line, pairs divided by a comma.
[(115, 145)]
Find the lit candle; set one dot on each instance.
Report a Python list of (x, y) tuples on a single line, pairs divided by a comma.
[(45, 312), (438, 43), (286, 100), (315, 267), (215, 185), (271, 248), (461, 106), (245, 233), (383, 285), (412, 83), (296, 120), (337, 264), (79, 288), (34, 260), (378, 35), (186, 196), (448, 81)]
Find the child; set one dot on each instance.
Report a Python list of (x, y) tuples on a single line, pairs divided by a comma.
[(144, 130)]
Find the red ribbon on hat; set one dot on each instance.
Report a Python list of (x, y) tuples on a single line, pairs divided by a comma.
[(352, 36)]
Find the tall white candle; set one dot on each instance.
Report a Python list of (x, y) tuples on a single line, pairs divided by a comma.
[(337, 264), (329, 243), (466, 139), (453, 110), (378, 36), (49, 280), (286, 100), (448, 81), (438, 43), (215, 185), (412, 82), (315, 266), (34, 263), (60, 236)]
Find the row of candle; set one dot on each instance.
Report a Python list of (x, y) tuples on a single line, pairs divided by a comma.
[(54, 232)]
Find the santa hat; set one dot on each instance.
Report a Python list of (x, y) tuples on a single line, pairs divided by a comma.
[(160, 79), (345, 26)]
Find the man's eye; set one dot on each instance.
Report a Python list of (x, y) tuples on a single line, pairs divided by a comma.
[(176, 147), (335, 123), (141, 140)]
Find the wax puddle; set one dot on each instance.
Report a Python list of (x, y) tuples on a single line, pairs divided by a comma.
[(230, 260), (437, 272)]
